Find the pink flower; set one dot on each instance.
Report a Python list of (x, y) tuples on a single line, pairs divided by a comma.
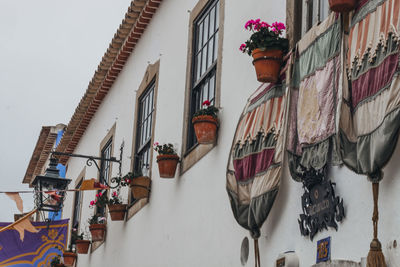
[(156, 144), (264, 25), (97, 195), (95, 201), (91, 203), (249, 24), (206, 103), (100, 194), (114, 194), (128, 181), (242, 47)]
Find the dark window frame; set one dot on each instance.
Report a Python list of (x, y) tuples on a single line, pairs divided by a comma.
[(105, 169), (141, 146), (198, 80)]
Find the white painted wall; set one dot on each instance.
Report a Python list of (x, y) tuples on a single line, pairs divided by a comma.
[(188, 221)]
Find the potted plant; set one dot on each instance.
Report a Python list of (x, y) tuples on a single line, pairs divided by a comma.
[(69, 256), (56, 261), (205, 123), (97, 227), (81, 245), (342, 5), (116, 208), (266, 47), (167, 160), (140, 185)]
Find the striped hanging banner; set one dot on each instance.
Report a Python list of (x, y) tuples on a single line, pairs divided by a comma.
[(370, 119), (255, 161), (314, 93)]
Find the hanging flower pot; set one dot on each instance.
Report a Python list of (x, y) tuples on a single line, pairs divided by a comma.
[(69, 258), (267, 48), (117, 211), (82, 246), (140, 187), (167, 160), (97, 231), (342, 5), (267, 64), (167, 164), (205, 123)]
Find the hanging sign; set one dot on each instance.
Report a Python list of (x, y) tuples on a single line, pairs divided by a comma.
[(321, 208)]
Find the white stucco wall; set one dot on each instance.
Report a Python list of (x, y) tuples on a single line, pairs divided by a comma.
[(188, 221)]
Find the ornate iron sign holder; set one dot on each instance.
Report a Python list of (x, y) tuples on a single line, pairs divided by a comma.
[(93, 159), (321, 208)]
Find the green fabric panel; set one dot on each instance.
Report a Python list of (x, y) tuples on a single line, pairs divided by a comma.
[(314, 156), (251, 217), (381, 55), (369, 7), (295, 81), (325, 47), (259, 144), (371, 152), (276, 91)]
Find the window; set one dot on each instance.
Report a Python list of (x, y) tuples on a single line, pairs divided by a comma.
[(76, 216), (105, 169), (76, 212), (302, 15), (144, 129), (315, 12), (204, 62), (203, 72)]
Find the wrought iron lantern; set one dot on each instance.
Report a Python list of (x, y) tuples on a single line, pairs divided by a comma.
[(50, 188)]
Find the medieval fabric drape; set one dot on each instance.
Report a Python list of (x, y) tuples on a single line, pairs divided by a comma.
[(255, 161), (314, 92), (370, 119)]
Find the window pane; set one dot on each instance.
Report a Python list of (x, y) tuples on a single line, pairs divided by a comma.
[(205, 35), (210, 53), (215, 53), (200, 36), (324, 9), (203, 62), (314, 12), (212, 89), (217, 15), (212, 21)]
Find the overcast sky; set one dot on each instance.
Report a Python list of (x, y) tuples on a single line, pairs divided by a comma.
[(49, 50)]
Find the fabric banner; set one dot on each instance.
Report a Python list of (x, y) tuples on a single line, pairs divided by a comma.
[(314, 93), (370, 120), (255, 161), (37, 249)]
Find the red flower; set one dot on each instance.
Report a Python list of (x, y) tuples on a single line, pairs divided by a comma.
[(206, 103), (100, 193), (114, 194)]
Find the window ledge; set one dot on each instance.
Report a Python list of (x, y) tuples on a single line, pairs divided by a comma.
[(194, 156), (132, 210)]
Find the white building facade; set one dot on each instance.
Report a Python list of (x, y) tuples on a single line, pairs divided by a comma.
[(187, 220)]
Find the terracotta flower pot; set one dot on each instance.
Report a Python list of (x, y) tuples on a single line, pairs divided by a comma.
[(342, 5), (167, 165), (205, 127), (267, 64), (69, 258), (117, 212), (82, 246), (97, 231), (140, 187)]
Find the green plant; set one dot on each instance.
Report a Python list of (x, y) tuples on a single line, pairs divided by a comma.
[(96, 218), (165, 149), (115, 199), (55, 260), (100, 201), (127, 178), (264, 36), (207, 109)]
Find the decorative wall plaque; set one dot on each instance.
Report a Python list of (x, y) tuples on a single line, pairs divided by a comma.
[(321, 208), (324, 249)]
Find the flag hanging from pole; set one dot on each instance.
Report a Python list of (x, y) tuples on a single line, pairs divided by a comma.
[(36, 249)]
